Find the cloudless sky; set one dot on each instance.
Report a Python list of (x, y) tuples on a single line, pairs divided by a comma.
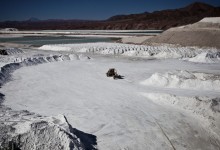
[(85, 9)]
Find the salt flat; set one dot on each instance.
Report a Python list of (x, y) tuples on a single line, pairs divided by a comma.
[(121, 113)]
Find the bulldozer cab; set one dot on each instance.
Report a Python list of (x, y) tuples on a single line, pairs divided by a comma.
[(111, 72)]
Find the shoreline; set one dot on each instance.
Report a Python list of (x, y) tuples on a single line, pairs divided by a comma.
[(108, 33)]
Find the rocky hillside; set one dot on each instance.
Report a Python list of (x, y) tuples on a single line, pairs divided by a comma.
[(156, 20), (166, 18)]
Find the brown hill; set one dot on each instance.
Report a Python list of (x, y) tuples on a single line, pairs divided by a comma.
[(156, 20), (205, 33)]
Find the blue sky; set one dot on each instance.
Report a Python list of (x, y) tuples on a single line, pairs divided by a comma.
[(85, 9)]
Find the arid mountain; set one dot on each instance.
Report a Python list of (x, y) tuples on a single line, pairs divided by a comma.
[(156, 20), (166, 18)]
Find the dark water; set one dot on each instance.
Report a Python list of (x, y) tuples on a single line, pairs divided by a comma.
[(39, 41), (129, 32)]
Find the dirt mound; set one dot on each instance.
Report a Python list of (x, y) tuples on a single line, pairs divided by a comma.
[(201, 34)]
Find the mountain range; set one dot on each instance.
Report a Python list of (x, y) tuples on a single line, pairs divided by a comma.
[(161, 20)]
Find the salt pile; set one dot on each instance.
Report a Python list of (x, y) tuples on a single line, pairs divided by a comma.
[(25, 130), (10, 51), (161, 52), (184, 80), (206, 58), (206, 109)]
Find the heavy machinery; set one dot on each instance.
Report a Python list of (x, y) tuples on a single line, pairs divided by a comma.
[(112, 72)]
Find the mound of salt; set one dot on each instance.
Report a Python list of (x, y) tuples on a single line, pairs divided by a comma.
[(206, 58), (184, 80), (10, 51)]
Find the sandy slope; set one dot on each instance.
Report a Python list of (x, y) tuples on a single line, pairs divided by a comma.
[(205, 33), (135, 39)]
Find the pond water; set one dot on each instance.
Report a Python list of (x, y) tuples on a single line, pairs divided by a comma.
[(42, 40)]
